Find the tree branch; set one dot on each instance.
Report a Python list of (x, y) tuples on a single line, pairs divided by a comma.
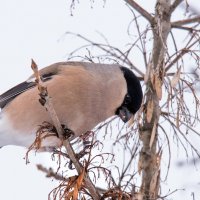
[(175, 5), (50, 173), (103, 47), (185, 21), (180, 55), (185, 28), (141, 10), (149, 159), (46, 102)]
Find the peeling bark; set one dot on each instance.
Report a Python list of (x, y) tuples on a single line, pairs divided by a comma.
[(149, 154)]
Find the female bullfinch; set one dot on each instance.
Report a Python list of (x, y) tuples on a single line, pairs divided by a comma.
[(83, 95)]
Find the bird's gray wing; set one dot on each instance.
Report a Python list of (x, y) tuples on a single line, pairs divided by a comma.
[(45, 73), (9, 95)]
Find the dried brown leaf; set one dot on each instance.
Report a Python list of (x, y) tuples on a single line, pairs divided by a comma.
[(33, 65), (120, 196), (150, 106), (69, 196), (152, 78), (75, 193), (35, 70), (80, 178), (147, 74), (153, 134), (176, 78), (158, 87), (78, 184), (138, 196)]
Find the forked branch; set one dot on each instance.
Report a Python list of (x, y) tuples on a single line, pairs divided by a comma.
[(141, 10)]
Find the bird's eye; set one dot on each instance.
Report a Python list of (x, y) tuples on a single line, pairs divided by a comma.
[(127, 99)]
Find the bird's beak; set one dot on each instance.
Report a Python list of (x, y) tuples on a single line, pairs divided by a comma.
[(125, 114)]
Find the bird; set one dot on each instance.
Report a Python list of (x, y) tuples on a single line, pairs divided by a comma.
[(83, 95)]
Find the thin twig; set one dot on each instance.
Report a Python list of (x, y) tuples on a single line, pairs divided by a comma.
[(51, 111), (181, 54), (141, 10), (186, 21), (50, 173), (103, 47), (185, 28)]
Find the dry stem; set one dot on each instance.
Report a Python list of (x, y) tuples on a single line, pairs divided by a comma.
[(141, 10), (51, 111)]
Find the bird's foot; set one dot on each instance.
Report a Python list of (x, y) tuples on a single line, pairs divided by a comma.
[(68, 133), (46, 126)]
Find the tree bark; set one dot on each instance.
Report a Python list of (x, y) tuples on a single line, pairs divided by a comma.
[(149, 155)]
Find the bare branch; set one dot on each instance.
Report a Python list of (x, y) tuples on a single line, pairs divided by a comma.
[(50, 173), (141, 41), (175, 5), (141, 10), (46, 101), (185, 28), (104, 48), (181, 54), (185, 21)]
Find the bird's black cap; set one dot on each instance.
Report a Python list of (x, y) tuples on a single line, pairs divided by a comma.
[(133, 98)]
